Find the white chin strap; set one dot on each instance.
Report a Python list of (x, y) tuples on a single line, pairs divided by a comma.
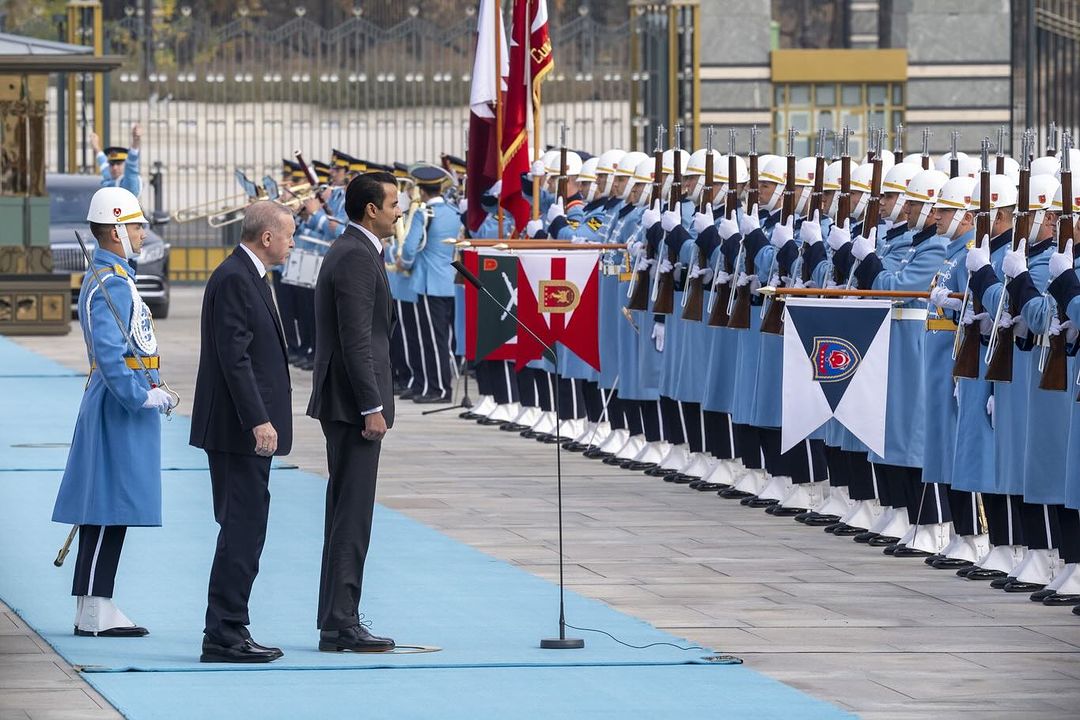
[(1036, 225), (864, 200), (643, 200), (591, 195), (630, 183), (897, 207), (954, 225), (125, 241), (924, 215), (669, 180), (774, 201), (834, 206), (699, 190), (802, 202), (609, 182)]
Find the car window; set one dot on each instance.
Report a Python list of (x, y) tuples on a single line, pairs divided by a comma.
[(68, 204)]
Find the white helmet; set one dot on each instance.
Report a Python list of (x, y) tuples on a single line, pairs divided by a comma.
[(1002, 193), (956, 195), (116, 206), (695, 166), (887, 160), (1057, 205), (669, 161), (550, 160), (896, 181), (742, 173), (924, 187), (643, 173), (913, 159), (832, 175), (588, 174), (943, 162), (609, 161), (1046, 165), (1074, 159), (970, 167), (629, 163), (805, 168), (573, 163), (1012, 169), (775, 171), (1041, 193), (862, 178)]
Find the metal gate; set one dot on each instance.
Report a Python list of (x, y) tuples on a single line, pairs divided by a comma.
[(1046, 65)]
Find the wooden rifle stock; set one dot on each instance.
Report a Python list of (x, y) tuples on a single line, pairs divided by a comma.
[(719, 317), (773, 322), (740, 311), (966, 364), (816, 196), (695, 287), (639, 299), (843, 205), (665, 286), (1000, 366), (1056, 370), (562, 174)]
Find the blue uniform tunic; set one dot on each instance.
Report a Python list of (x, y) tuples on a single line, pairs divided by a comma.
[(1066, 292), (130, 180), (113, 472), (425, 253)]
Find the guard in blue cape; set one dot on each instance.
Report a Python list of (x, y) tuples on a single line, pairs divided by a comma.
[(113, 475), (119, 166)]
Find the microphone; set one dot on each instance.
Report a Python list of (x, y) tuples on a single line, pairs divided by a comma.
[(562, 642)]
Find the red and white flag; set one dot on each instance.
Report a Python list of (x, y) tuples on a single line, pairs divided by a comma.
[(559, 300), (482, 161), (530, 61)]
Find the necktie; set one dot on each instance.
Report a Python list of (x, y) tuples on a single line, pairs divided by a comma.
[(273, 297)]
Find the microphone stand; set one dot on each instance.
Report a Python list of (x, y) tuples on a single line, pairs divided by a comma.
[(562, 642)]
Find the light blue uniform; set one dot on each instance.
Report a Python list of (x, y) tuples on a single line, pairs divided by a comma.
[(429, 261), (113, 472), (130, 180), (1066, 291)]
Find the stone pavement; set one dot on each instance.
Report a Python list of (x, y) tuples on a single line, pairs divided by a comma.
[(886, 638)]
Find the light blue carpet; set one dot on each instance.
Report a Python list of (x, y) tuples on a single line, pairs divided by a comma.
[(421, 587)]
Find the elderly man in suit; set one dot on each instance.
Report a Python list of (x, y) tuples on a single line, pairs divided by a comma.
[(352, 395), (242, 417)]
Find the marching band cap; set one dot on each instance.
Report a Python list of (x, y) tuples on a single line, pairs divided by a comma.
[(456, 164), (401, 170), (429, 176), (350, 163), (376, 167), (322, 170), (116, 154)]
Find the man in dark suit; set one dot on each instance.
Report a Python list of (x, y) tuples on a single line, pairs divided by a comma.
[(352, 395), (242, 417)]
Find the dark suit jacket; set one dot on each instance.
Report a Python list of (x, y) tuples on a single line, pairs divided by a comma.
[(243, 378), (354, 315)]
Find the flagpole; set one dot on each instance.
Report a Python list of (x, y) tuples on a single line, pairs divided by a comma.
[(535, 111), (498, 106)]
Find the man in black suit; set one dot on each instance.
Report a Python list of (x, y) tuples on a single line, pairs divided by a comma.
[(352, 395), (242, 417)]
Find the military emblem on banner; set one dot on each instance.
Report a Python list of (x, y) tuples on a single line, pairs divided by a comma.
[(558, 296), (835, 359)]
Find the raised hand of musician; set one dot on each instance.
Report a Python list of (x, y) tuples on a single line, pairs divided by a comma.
[(556, 210), (265, 439), (651, 216), (863, 246), (670, 220), (978, 257), (158, 399), (839, 235), (749, 222), (704, 220), (783, 233), (1060, 262), (1015, 262), (940, 296), (533, 227), (810, 230), (95, 142)]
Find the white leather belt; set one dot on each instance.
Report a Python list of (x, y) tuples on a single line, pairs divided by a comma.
[(909, 314)]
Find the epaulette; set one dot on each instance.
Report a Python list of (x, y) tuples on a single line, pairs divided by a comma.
[(119, 270), (971, 244), (594, 223), (573, 224)]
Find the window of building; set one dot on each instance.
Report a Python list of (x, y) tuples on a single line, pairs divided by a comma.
[(809, 106)]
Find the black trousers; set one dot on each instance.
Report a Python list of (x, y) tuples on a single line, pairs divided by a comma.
[(571, 399), (97, 559), (350, 499), (719, 434), (803, 463), (652, 420), (497, 378), (616, 410), (435, 326), (593, 398), (1069, 524), (861, 477), (1040, 526), (241, 488), (1003, 517), (748, 446), (930, 502), (404, 344)]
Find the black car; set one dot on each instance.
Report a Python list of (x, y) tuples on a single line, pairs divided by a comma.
[(69, 201)]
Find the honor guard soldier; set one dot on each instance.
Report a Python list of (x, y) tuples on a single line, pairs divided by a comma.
[(113, 475), (119, 166), (428, 258)]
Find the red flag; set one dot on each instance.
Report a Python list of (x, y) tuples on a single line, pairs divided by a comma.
[(559, 300), (482, 160), (530, 61)]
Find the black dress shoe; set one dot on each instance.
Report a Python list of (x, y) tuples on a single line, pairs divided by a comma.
[(1040, 595), (891, 548), (638, 466), (513, 427), (411, 393), (354, 639), (730, 493), (1019, 586), (965, 571), (1000, 581), (831, 529), (613, 460), (1058, 599), (948, 563), (596, 453), (707, 486), (848, 531), (1076, 610), (247, 651), (432, 398), (116, 632), (658, 471), (883, 540), (683, 479), (819, 520), (759, 502), (905, 551), (865, 537), (528, 433), (488, 422), (467, 415), (804, 516), (547, 439), (978, 573), (931, 559)]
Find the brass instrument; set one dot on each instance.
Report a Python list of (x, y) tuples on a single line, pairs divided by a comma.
[(220, 206), (402, 226)]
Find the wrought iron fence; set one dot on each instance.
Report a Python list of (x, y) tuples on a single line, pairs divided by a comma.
[(245, 95), (1046, 65)]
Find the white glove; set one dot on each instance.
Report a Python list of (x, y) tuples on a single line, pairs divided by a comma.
[(704, 272), (774, 280), (658, 336), (643, 263), (462, 206), (986, 323), (636, 249), (978, 257), (722, 278), (990, 409), (555, 211), (782, 233), (799, 284), (670, 220), (1015, 263), (1056, 326), (1060, 262), (537, 169), (864, 245), (665, 266), (940, 296), (749, 222), (1006, 320), (727, 227), (533, 227), (651, 216), (158, 399), (810, 231), (703, 220), (839, 236), (743, 280)]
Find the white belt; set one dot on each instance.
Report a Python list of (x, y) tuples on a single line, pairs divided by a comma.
[(909, 314)]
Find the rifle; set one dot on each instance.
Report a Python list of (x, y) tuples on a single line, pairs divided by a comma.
[(967, 343), (561, 188), (926, 133), (999, 166), (999, 352), (954, 161), (816, 195), (772, 317), (873, 205), (899, 140), (1054, 363), (638, 292), (843, 198), (664, 283), (739, 298), (718, 311), (694, 294), (1051, 139)]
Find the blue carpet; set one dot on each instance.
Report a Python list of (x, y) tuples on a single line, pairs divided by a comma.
[(422, 588)]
